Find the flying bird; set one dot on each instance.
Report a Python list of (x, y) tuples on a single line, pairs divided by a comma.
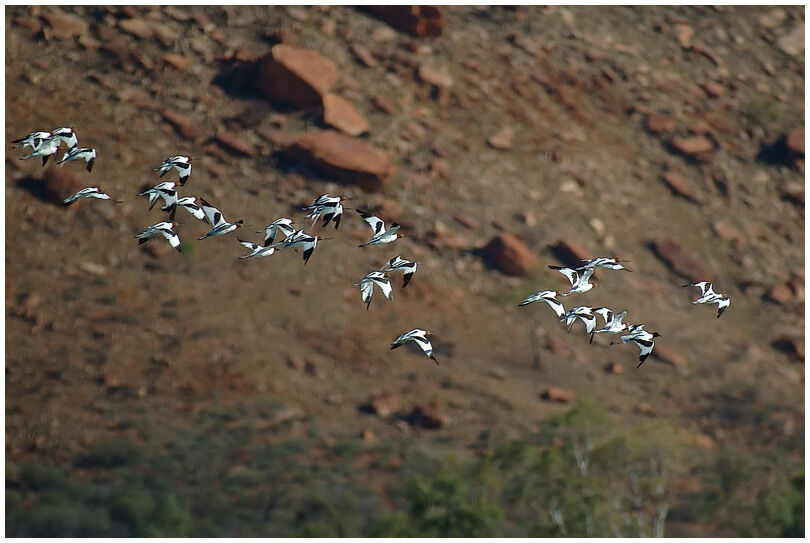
[(189, 203), (709, 296), (397, 264), (367, 286), (283, 225), (164, 229), (603, 262), (67, 135), (548, 296), (381, 233), (579, 281), (613, 322), (32, 140), (181, 164), (256, 251), (307, 243), (327, 206), (644, 340), (163, 190), (583, 313), (220, 226), (46, 148), (418, 336), (89, 192), (80, 153)]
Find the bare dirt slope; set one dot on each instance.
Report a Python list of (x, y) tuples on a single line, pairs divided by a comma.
[(596, 107)]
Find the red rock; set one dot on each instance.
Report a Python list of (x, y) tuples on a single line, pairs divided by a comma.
[(704, 441), (794, 140), (712, 89), (28, 22), (383, 405), (658, 123), (510, 255), (699, 47), (684, 34), (235, 143), (297, 363), (615, 368), (570, 253), (417, 20), (668, 355), (295, 76), (553, 394), (678, 185), (790, 346), (186, 128), (428, 416), (645, 409), (178, 61), (679, 260), (276, 136), (697, 147), (346, 158), (64, 26), (59, 183), (137, 27), (166, 35), (341, 114), (781, 294), (728, 233), (793, 193), (503, 138), (89, 42), (384, 104), (434, 76), (364, 56)]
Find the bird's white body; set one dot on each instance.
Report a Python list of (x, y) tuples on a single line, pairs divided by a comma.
[(548, 296), (162, 228), (398, 264), (367, 286), (418, 336)]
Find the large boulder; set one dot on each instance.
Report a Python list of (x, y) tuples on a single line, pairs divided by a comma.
[(510, 255), (416, 20), (295, 77), (343, 157)]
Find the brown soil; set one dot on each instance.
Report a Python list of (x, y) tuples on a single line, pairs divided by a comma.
[(95, 323)]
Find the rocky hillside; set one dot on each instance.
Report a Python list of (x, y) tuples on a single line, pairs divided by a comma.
[(503, 140)]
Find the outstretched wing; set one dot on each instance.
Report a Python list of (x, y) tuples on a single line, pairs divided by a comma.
[(376, 223), (425, 345), (570, 273), (214, 215), (385, 287)]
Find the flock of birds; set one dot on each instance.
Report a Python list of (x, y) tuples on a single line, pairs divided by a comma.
[(635, 333), (330, 209)]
